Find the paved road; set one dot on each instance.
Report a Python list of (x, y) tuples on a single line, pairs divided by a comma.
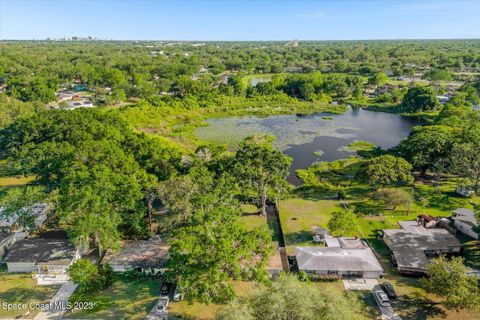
[(387, 312), (60, 298)]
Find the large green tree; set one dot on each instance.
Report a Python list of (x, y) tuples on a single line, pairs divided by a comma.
[(288, 298), (261, 170), (387, 170), (449, 280), (419, 99)]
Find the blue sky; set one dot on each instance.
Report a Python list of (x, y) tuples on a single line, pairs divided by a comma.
[(240, 20)]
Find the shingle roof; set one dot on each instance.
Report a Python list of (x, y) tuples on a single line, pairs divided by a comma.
[(465, 215), (139, 253), (409, 244), (336, 259), (5, 235), (40, 250)]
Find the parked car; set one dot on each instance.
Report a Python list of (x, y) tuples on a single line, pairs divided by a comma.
[(381, 298), (165, 289), (177, 295), (159, 310), (389, 289)]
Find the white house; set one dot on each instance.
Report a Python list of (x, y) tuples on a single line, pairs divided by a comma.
[(148, 256), (464, 220), (49, 258), (350, 258)]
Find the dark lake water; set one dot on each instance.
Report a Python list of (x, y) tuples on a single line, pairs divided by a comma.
[(311, 138)]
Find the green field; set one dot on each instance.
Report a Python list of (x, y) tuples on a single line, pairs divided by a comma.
[(125, 299), (21, 288)]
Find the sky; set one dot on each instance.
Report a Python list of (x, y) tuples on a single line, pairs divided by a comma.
[(240, 20)]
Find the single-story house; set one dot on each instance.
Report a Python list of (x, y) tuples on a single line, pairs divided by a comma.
[(45, 256), (352, 258), (412, 246), (464, 220), (10, 224), (148, 256), (7, 239)]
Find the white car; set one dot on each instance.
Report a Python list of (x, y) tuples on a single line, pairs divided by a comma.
[(159, 310), (382, 298), (177, 295)]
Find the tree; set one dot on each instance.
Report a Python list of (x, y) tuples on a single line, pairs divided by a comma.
[(427, 145), (387, 170), (84, 273), (379, 79), (418, 99), (436, 75), (466, 162), (261, 170), (343, 223), (214, 248), (394, 197), (288, 298), (449, 280)]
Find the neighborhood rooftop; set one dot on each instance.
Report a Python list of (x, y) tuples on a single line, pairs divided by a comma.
[(412, 243), (40, 250), (139, 253), (336, 258)]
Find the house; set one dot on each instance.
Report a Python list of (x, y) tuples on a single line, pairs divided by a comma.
[(75, 104), (444, 98), (11, 223), (148, 256), (47, 257), (464, 220), (413, 246), (65, 95), (465, 191), (7, 239), (352, 258)]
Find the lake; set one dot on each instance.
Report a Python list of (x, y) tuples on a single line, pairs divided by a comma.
[(311, 138)]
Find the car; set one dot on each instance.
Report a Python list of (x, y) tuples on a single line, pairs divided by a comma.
[(381, 298), (159, 310), (162, 304), (389, 289), (177, 295), (165, 289)]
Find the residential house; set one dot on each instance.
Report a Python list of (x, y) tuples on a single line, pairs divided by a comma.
[(345, 257), (465, 221), (7, 239), (148, 256), (413, 246), (11, 223), (49, 258)]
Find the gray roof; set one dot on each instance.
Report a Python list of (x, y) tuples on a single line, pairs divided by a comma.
[(336, 259), (39, 210), (40, 250), (465, 215), (139, 253), (5, 235), (409, 244)]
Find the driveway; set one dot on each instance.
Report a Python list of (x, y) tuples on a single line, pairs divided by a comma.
[(57, 303), (387, 312)]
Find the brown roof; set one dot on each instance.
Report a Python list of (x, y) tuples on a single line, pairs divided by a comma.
[(139, 253)]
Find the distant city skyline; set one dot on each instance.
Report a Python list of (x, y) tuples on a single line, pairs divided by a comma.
[(239, 20)]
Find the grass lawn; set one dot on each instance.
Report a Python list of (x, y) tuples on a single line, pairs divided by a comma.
[(201, 311), (7, 177), (299, 216), (21, 288), (250, 218), (125, 299)]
